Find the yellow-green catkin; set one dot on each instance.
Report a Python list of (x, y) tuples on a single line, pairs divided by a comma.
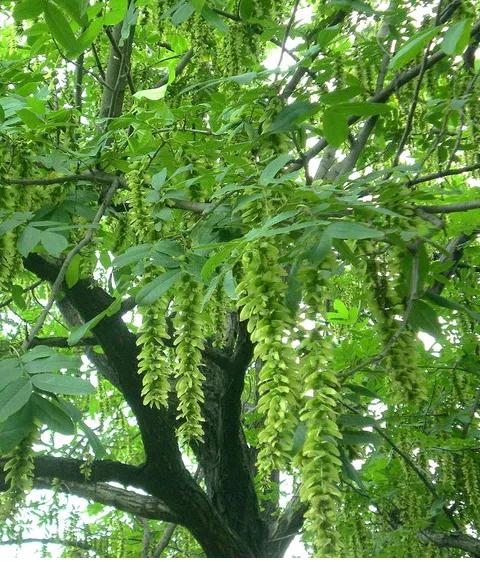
[(469, 467), (19, 474), (153, 362), (320, 458), (262, 302), (188, 323), (7, 240), (389, 308)]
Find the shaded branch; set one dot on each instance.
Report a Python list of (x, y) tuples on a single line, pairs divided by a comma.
[(443, 174), (82, 545), (61, 342), (26, 290), (451, 540), (453, 253), (117, 73), (286, 527), (452, 207), (187, 57)]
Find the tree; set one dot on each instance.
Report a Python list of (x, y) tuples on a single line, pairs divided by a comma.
[(246, 296)]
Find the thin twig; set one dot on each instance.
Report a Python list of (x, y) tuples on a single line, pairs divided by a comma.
[(408, 461), (187, 57), (26, 290), (444, 173), (63, 269), (413, 106), (121, 56), (98, 62), (287, 32)]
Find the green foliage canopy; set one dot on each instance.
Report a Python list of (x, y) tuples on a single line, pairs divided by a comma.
[(239, 264)]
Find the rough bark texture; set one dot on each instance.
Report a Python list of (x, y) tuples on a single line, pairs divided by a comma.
[(226, 519)]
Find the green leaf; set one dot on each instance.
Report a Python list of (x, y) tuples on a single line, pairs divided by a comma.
[(345, 230), (182, 13), (95, 443), (53, 243), (229, 285), (412, 47), (10, 371), (76, 415), (214, 19), (292, 115), (152, 94), (342, 95), (72, 274), (28, 9), (62, 384), (77, 334), (52, 415), (116, 12), (423, 317), (361, 438), (129, 20), (74, 9), (215, 260), (299, 437), (456, 38), (38, 352), (198, 5), (158, 287), (15, 429), (30, 118), (271, 170), (246, 9), (358, 389), (159, 178), (15, 220), (18, 298), (447, 303), (362, 109), (52, 364), (132, 255), (335, 128), (349, 470), (13, 396), (28, 239), (59, 27), (356, 420)]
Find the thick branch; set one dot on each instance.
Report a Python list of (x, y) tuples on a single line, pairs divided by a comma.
[(453, 253), (451, 540), (164, 475), (61, 342), (443, 174), (103, 178), (452, 207), (117, 73), (287, 526)]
